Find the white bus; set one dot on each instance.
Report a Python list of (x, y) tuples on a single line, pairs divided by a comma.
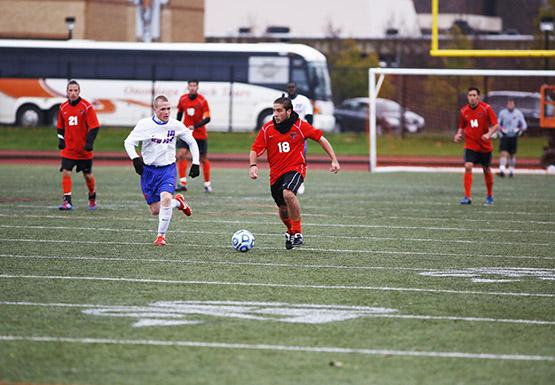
[(240, 81)]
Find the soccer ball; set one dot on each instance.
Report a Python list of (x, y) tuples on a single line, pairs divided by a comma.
[(242, 240)]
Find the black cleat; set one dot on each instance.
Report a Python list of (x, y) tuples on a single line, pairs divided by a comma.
[(297, 240), (180, 187), (288, 241)]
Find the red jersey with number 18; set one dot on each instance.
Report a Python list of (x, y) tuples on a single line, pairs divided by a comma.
[(476, 122), (285, 151)]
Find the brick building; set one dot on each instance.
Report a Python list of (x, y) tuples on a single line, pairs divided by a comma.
[(111, 20)]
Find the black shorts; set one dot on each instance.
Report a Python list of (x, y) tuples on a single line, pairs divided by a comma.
[(291, 180), (84, 165), (508, 144), (483, 158), (202, 145)]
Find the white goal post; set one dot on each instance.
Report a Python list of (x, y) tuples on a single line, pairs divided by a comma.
[(377, 76)]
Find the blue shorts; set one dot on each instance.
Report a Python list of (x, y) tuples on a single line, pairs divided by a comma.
[(155, 180)]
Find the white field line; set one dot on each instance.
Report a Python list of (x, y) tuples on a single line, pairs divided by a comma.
[(303, 249), (457, 170), (504, 221), (232, 263), (404, 239), (277, 285), (340, 225), (398, 316), (281, 348)]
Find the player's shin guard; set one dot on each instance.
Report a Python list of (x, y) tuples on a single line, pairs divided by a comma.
[(182, 168), (488, 178), (90, 184), (468, 184), (296, 226), (206, 170), (66, 184), (164, 219)]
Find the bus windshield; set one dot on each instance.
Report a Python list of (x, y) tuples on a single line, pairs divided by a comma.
[(320, 79)]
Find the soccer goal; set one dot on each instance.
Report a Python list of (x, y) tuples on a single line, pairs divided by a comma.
[(414, 113)]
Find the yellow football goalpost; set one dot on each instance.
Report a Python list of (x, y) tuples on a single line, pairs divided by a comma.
[(436, 51)]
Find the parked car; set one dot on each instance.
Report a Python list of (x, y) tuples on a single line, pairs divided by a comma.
[(352, 115), (527, 102)]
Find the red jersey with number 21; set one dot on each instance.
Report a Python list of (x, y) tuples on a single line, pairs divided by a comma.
[(285, 151), (476, 122), (77, 120)]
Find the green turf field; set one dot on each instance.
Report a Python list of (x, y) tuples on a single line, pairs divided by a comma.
[(396, 283), (426, 144)]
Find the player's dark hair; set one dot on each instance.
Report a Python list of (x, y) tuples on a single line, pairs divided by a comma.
[(473, 89), (285, 102), (193, 81), (72, 82)]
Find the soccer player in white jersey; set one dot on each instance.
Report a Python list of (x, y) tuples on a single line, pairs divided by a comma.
[(156, 166), (303, 107), (512, 125)]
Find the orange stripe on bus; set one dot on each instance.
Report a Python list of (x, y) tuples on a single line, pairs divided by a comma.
[(17, 88)]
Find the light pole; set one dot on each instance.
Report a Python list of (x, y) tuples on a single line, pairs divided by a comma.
[(546, 26), (70, 23)]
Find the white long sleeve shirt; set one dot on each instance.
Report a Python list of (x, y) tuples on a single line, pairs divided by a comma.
[(511, 122), (158, 141), (302, 106)]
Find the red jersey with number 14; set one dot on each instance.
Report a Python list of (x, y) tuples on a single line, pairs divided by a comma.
[(76, 120), (285, 151), (476, 122)]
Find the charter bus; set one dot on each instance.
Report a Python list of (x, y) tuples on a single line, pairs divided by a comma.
[(240, 81)]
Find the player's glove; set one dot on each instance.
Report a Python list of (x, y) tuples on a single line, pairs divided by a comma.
[(194, 171), (88, 147), (139, 165), (61, 144)]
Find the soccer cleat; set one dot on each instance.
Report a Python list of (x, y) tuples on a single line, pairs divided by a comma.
[(465, 201), (66, 206), (208, 189), (501, 174), (288, 241), (297, 240), (180, 187), (300, 191), (511, 175), (183, 206), (160, 241), (92, 204), (489, 201)]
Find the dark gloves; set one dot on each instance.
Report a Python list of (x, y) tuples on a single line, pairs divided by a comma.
[(194, 171), (61, 144), (139, 165), (88, 147)]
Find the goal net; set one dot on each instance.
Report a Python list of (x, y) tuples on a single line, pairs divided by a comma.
[(413, 114)]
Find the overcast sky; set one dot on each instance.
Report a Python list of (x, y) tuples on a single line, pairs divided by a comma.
[(312, 18)]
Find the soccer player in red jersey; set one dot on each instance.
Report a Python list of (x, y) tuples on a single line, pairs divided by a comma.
[(194, 111), (283, 138), (477, 124), (77, 130)]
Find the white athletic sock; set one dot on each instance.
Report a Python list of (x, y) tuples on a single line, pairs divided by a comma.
[(512, 164), (207, 184), (164, 219), (183, 180), (502, 164), (175, 203)]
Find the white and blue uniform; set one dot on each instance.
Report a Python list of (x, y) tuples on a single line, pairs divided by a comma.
[(512, 123), (302, 106), (158, 151)]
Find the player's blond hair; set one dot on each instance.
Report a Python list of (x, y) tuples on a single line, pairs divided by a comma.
[(158, 99)]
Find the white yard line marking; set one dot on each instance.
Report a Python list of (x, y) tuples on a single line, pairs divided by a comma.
[(404, 239), (340, 225), (235, 263), (286, 348), (280, 285), (504, 221), (303, 249), (399, 316)]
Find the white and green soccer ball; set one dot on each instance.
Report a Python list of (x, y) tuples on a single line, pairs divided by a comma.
[(242, 240)]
